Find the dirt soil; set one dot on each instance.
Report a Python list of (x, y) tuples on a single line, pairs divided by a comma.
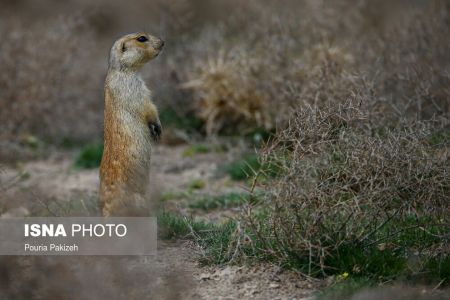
[(174, 273)]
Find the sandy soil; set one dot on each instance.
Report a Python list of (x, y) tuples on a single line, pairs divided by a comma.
[(174, 273)]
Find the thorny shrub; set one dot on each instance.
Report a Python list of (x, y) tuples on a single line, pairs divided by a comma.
[(354, 198)]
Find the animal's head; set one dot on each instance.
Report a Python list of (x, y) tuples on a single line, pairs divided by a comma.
[(132, 51)]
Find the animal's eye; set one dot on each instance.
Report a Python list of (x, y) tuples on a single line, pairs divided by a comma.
[(142, 39)]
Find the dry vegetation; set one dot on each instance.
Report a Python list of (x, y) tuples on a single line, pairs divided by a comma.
[(357, 91), (229, 96), (43, 91), (353, 198), (243, 65)]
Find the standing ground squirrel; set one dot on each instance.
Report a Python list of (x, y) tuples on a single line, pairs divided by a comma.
[(130, 123)]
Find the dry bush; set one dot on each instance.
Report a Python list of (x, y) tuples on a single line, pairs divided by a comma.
[(392, 56), (349, 194), (228, 94)]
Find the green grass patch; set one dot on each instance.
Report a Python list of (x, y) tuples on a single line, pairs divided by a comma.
[(196, 184), (244, 168), (221, 201), (250, 164), (170, 118), (173, 196), (175, 226), (344, 288), (440, 138), (89, 156), (214, 239), (259, 136), (32, 142), (196, 149)]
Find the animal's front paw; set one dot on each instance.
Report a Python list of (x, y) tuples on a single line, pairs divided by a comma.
[(155, 130)]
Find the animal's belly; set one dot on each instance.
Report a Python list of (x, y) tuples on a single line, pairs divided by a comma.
[(140, 146), (127, 157)]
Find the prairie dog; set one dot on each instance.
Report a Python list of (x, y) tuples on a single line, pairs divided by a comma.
[(131, 122)]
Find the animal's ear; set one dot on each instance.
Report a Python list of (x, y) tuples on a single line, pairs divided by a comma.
[(123, 48)]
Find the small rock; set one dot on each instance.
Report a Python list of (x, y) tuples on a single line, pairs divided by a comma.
[(274, 285), (204, 276), (275, 278)]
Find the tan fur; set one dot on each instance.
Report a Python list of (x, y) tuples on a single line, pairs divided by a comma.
[(124, 170)]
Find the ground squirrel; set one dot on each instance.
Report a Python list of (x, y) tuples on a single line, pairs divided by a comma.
[(130, 123)]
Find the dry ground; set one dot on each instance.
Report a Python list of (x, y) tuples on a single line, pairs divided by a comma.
[(174, 273)]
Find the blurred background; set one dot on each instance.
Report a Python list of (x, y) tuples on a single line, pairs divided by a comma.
[(229, 67)]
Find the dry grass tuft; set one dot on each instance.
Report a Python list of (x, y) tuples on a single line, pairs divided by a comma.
[(228, 94)]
